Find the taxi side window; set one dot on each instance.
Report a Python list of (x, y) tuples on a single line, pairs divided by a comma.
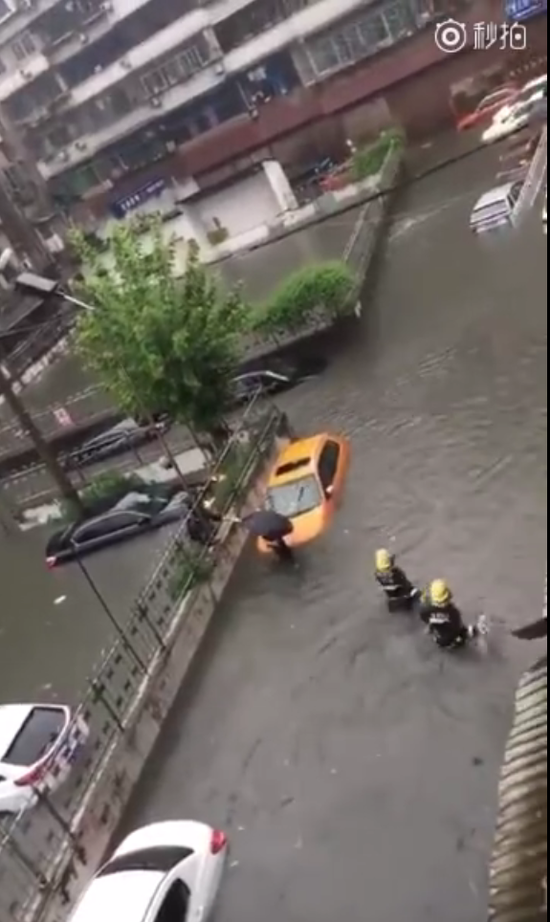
[(328, 464)]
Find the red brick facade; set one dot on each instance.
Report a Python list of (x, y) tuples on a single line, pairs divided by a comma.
[(413, 80)]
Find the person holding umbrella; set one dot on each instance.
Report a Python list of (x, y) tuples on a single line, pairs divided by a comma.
[(273, 528)]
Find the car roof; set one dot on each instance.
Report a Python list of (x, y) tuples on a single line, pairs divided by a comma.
[(12, 718), (176, 833), (494, 196), (305, 450), (105, 897)]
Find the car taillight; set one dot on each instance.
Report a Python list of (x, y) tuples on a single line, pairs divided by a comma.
[(51, 562), (32, 778), (218, 842)]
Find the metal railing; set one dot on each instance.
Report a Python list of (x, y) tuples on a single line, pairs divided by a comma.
[(42, 848)]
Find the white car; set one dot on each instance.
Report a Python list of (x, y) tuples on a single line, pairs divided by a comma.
[(167, 872), (534, 88), (518, 117), (38, 746), (495, 209)]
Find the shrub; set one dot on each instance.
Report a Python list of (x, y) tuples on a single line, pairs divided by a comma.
[(368, 161), (191, 567), (104, 492), (326, 287)]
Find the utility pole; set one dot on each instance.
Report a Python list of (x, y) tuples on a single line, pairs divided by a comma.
[(66, 488)]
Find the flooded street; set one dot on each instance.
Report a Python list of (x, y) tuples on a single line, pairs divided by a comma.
[(353, 765)]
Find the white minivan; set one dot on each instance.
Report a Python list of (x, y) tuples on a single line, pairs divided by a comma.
[(495, 209)]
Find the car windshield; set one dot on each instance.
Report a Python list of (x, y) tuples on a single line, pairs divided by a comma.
[(296, 497), (157, 858)]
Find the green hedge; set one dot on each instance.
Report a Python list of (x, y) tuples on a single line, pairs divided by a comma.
[(368, 161), (325, 287)]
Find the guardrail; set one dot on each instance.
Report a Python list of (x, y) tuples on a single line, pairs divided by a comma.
[(44, 850)]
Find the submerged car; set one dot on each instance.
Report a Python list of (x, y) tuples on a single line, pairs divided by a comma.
[(518, 117), (135, 514), (488, 107), (306, 485), (118, 440), (274, 377), (39, 744), (496, 208), (166, 872)]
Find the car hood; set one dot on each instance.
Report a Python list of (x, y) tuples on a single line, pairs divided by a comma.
[(307, 527)]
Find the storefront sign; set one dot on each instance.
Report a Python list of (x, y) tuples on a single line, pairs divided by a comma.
[(524, 9), (128, 203)]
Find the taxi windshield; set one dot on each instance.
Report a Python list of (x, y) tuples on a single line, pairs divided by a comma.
[(296, 497)]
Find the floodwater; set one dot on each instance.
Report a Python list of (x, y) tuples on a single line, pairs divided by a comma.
[(354, 766)]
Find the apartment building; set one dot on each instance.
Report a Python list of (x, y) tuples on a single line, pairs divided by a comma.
[(117, 100)]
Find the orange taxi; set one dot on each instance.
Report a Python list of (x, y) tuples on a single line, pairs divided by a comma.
[(306, 485)]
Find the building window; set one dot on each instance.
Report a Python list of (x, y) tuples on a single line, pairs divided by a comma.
[(23, 47), (3, 67), (361, 38), (177, 69)]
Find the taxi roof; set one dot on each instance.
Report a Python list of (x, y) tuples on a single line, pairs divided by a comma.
[(304, 450)]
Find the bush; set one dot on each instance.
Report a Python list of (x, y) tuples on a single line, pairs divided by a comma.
[(217, 236), (326, 287), (190, 568), (104, 492), (368, 161)]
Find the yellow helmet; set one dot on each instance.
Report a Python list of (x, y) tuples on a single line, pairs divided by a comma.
[(440, 593), (383, 560)]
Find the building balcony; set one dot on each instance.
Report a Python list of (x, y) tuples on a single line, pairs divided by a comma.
[(296, 28), (16, 80), (139, 57), (87, 147)]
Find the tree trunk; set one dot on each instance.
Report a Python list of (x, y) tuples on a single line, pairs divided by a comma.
[(66, 488)]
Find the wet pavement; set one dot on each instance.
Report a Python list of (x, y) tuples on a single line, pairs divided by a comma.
[(353, 765)]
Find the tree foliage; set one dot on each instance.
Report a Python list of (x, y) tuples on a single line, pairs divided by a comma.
[(157, 342)]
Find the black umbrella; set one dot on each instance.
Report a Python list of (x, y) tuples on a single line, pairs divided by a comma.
[(534, 631), (265, 523)]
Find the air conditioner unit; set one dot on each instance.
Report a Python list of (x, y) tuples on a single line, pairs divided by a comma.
[(81, 145), (107, 6), (63, 156), (83, 38), (219, 69), (155, 102), (25, 74), (126, 64)]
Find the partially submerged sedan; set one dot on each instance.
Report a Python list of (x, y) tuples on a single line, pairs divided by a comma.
[(306, 486), (137, 514)]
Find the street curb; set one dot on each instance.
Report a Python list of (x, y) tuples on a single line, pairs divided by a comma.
[(127, 758)]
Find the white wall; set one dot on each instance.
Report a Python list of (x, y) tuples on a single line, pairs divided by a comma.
[(239, 207)]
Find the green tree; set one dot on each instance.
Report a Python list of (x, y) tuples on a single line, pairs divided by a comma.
[(157, 342)]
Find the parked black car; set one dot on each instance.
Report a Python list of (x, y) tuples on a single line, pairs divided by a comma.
[(135, 514), (118, 440), (274, 377)]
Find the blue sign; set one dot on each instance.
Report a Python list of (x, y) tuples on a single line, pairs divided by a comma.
[(128, 203), (523, 9)]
